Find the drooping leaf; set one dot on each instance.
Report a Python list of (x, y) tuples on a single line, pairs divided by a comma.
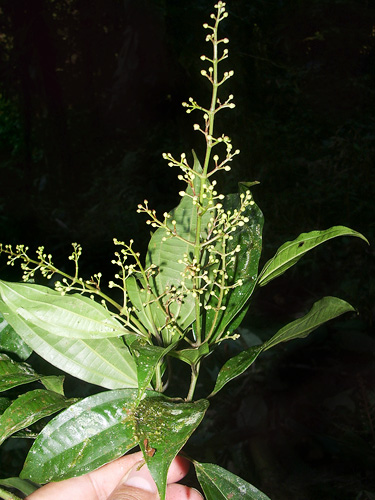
[(27, 487), (219, 484), (249, 239), (163, 428), (29, 408), (70, 316), (105, 362), (10, 341), (165, 252), (322, 311), (13, 374), (290, 253), (87, 435), (236, 366)]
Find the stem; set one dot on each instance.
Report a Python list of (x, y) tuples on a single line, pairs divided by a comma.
[(193, 381), (158, 378), (204, 176)]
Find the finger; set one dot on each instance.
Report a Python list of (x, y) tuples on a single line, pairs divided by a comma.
[(181, 492), (96, 485), (140, 477), (178, 469), (124, 492)]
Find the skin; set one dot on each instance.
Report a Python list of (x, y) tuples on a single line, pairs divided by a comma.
[(124, 479)]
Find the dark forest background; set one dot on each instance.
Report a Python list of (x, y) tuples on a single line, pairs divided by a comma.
[(90, 97)]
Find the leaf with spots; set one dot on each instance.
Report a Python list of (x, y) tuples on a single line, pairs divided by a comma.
[(103, 427), (219, 484), (164, 427)]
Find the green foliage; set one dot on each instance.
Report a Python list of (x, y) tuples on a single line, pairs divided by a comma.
[(187, 297)]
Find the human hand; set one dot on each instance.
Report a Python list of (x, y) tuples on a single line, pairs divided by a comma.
[(120, 480)]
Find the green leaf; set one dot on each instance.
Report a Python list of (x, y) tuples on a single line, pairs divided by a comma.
[(105, 362), (146, 358), (10, 341), (149, 311), (54, 383), (13, 374), (236, 366), (23, 485), (219, 484), (163, 428), (103, 427), (165, 252), (245, 268), (290, 253), (7, 495), (87, 435), (70, 316), (191, 356), (322, 311), (4, 403), (29, 408)]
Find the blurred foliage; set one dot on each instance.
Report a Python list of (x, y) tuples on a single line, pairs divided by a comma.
[(90, 97)]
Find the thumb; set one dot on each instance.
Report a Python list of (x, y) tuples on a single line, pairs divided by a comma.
[(136, 485)]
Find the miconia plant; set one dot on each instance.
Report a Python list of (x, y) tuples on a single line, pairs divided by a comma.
[(187, 297)]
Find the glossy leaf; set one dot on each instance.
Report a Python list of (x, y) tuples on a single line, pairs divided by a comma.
[(219, 484), (71, 316), (13, 374), (105, 362), (163, 428), (29, 408), (290, 253), (322, 311), (236, 366), (147, 357), (103, 427), (165, 252), (27, 487), (88, 434), (249, 238), (10, 341)]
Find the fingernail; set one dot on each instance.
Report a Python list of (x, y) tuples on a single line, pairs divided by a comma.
[(139, 477)]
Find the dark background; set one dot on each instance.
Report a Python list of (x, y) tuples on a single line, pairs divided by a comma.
[(90, 97)]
